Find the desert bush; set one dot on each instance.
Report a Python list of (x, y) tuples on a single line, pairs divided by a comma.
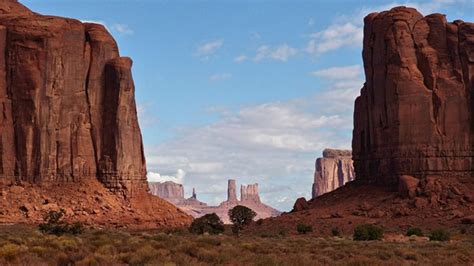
[(259, 222), (240, 216), (439, 235), (335, 232), (303, 228), (414, 231), (53, 224), (366, 232), (9, 251), (209, 223)]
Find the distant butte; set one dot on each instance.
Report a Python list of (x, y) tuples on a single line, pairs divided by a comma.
[(249, 194), (332, 171)]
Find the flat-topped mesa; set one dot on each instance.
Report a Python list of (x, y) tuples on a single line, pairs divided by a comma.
[(249, 193), (415, 112), (168, 190), (231, 191), (332, 171), (333, 153), (67, 104)]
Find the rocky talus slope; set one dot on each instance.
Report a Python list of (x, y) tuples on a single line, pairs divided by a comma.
[(68, 117)]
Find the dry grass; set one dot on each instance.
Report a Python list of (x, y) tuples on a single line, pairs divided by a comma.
[(26, 246)]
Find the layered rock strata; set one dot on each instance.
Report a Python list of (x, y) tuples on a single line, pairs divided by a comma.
[(415, 112), (168, 190), (67, 103), (332, 171), (249, 193)]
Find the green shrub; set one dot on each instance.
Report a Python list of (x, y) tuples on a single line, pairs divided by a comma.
[(54, 225), (439, 235), (303, 228), (335, 232), (240, 216), (366, 232), (209, 223), (414, 231)]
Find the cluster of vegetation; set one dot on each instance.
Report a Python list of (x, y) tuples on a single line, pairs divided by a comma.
[(302, 228), (365, 232), (209, 223), (240, 216), (414, 231), (54, 224), (440, 235), (23, 245)]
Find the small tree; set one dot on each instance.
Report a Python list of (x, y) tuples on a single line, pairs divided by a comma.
[(439, 235), (209, 223), (366, 232), (53, 224), (335, 232), (303, 228), (240, 216), (414, 231)]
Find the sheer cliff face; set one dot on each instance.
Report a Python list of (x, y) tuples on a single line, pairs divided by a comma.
[(332, 171), (170, 191), (249, 193), (67, 106), (414, 114)]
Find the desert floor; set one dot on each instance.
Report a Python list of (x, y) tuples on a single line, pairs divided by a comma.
[(25, 245)]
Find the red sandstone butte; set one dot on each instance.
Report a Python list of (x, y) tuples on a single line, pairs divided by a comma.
[(415, 112), (67, 105), (413, 128)]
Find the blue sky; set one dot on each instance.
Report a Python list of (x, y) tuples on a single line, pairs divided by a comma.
[(250, 90)]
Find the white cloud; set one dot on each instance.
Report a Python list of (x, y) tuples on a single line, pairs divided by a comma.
[(122, 29), (280, 53), (335, 37), (157, 177), (346, 72), (207, 49), (240, 59), (220, 76)]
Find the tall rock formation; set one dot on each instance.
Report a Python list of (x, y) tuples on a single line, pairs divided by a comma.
[(231, 191), (68, 105), (249, 193), (332, 171), (168, 190), (69, 133), (415, 112)]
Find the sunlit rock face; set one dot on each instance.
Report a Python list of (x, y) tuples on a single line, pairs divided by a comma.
[(332, 171), (67, 104), (415, 112)]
